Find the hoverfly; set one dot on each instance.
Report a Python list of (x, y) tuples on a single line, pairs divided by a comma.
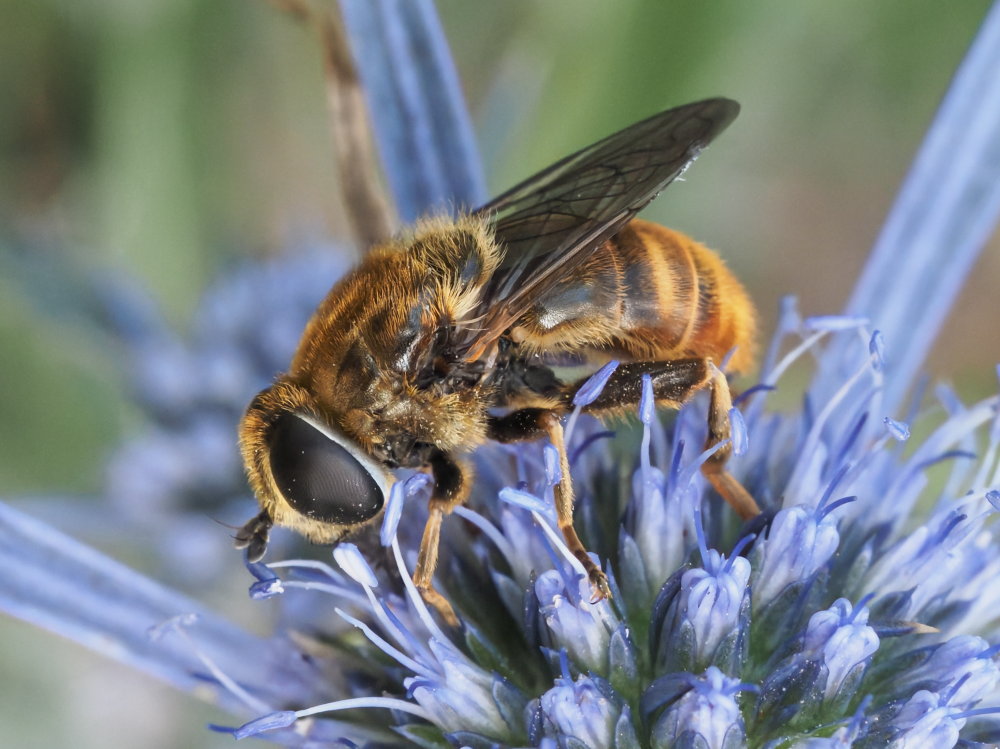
[(441, 341)]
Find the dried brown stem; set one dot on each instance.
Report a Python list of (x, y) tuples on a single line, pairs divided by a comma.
[(368, 210)]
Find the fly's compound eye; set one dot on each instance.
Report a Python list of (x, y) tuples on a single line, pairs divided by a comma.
[(321, 478)]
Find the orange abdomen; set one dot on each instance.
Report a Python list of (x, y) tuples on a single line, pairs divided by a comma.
[(648, 294)]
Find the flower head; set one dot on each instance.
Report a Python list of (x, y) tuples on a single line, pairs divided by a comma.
[(799, 631)]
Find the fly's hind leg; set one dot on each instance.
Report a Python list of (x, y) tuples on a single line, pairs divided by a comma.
[(675, 382), (451, 488), (532, 423), (714, 469)]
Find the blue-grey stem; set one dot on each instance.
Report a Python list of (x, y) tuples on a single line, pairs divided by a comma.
[(59, 584), (421, 125), (942, 218)]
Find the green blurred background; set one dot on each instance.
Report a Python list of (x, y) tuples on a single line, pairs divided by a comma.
[(167, 139)]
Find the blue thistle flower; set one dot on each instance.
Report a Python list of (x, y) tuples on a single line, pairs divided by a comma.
[(848, 617), (704, 713), (707, 612), (583, 712), (823, 670), (681, 667)]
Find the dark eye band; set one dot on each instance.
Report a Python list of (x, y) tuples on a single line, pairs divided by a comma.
[(321, 478)]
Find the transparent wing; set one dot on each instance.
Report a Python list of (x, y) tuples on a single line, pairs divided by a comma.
[(549, 223)]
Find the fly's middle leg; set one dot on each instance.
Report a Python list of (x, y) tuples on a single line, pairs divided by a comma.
[(530, 424), (675, 382)]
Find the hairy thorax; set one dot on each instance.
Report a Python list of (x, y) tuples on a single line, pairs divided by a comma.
[(368, 354)]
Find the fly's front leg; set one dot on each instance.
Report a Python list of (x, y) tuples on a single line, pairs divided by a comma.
[(253, 536), (529, 424), (674, 382), (451, 488)]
